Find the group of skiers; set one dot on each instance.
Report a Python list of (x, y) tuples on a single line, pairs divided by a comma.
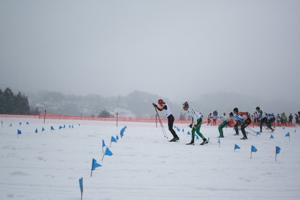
[(236, 119)]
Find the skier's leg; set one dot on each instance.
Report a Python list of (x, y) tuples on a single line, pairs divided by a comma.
[(221, 128), (170, 124)]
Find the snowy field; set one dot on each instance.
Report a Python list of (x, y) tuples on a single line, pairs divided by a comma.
[(144, 165)]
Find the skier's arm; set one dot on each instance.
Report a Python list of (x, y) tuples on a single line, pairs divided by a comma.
[(161, 108)]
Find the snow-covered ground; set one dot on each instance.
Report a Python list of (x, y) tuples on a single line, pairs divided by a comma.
[(144, 165)]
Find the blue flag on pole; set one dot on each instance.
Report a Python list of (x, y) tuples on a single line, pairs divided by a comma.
[(113, 139), (10, 125), (108, 152), (60, 127), (183, 130), (272, 137), (19, 132), (288, 134), (258, 133), (283, 128), (36, 131), (253, 149), (81, 185), (52, 128), (27, 123), (20, 123), (278, 150), (236, 147), (197, 138), (295, 131), (219, 141), (117, 137), (43, 129), (188, 133), (103, 143), (95, 164)]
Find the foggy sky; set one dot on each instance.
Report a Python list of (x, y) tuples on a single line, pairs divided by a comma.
[(177, 49)]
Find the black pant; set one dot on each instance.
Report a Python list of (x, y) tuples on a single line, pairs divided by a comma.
[(269, 123), (262, 121), (170, 124), (236, 127), (244, 125)]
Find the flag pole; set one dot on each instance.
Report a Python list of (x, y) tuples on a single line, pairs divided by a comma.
[(103, 155), (81, 186), (275, 153), (92, 167)]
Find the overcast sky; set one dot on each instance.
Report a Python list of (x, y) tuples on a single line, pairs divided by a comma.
[(177, 49)]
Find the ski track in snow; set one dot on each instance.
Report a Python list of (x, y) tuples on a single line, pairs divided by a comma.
[(48, 165)]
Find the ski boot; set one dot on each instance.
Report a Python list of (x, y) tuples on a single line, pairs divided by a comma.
[(204, 141), (191, 143)]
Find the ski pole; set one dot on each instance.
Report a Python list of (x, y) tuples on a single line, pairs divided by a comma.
[(161, 125)]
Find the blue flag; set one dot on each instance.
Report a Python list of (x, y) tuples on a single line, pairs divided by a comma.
[(27, 123), (283, 128), (253, 149), (258, 133), (64, 126), (113, 139), (108, 152), (95, 164), (81, 185), (43, 129), (295, 131), (36, 131), (278, 150), (103, 143), (288, 134), (197, 138), (236, 147), (117, 137), (272, 137), (19, 132), (183, 130), (72, 126), (60, 127), (10, 125), (20, 123), (188, 133), (52, 128), (219, 141)]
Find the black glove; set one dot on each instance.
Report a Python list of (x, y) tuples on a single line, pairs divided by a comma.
[(154, 104), (191, 125)]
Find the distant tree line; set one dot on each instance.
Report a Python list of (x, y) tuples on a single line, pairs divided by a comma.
[(14, 104)]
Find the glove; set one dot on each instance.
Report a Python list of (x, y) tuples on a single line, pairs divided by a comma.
[(154, 104), (191, 125)]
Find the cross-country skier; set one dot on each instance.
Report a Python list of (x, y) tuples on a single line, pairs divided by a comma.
[(196, 122), (261, 117), (164, 107), (215, 118), (244, 120), (209, 117), (224, 123), (270, 119)]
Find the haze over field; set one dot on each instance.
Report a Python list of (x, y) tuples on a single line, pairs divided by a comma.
[(175, 49)]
